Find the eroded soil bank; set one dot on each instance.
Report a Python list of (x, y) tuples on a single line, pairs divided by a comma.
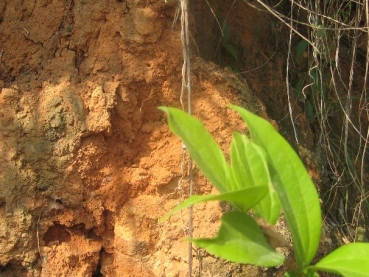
[(87, 162)]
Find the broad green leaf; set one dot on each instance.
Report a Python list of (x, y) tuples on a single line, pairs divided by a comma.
[(351, 260), (231, 50), (297, 193), (201, 145), (249, 168), (240, 171), (240, 240), (301, 48), (244, 198)]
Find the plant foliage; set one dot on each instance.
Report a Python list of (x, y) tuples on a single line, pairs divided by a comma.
[(264, 175)]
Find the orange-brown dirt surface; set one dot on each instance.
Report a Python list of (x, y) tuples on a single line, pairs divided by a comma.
[(88, 164)]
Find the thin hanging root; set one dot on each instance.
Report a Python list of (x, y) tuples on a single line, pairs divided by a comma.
[(186, 87)]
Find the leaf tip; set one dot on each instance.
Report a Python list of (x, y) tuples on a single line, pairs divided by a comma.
[(163, 108), (231, 106), (162, 219)]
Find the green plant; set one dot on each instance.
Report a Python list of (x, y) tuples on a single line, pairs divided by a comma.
[(227, 44), (226, 51), (264, 175)]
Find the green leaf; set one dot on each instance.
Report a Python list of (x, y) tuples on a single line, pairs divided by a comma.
[(291, 274), (240, 240), (297, 193), (351, 260), (247, 164), (231, 50), (201, 145), (301, 48), (310, 110), (244, 198), (249, 168), (320, 30), (226, 33), (297, 88), (294, 274)]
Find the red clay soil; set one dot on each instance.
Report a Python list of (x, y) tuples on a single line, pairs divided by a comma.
[(87, 163)]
